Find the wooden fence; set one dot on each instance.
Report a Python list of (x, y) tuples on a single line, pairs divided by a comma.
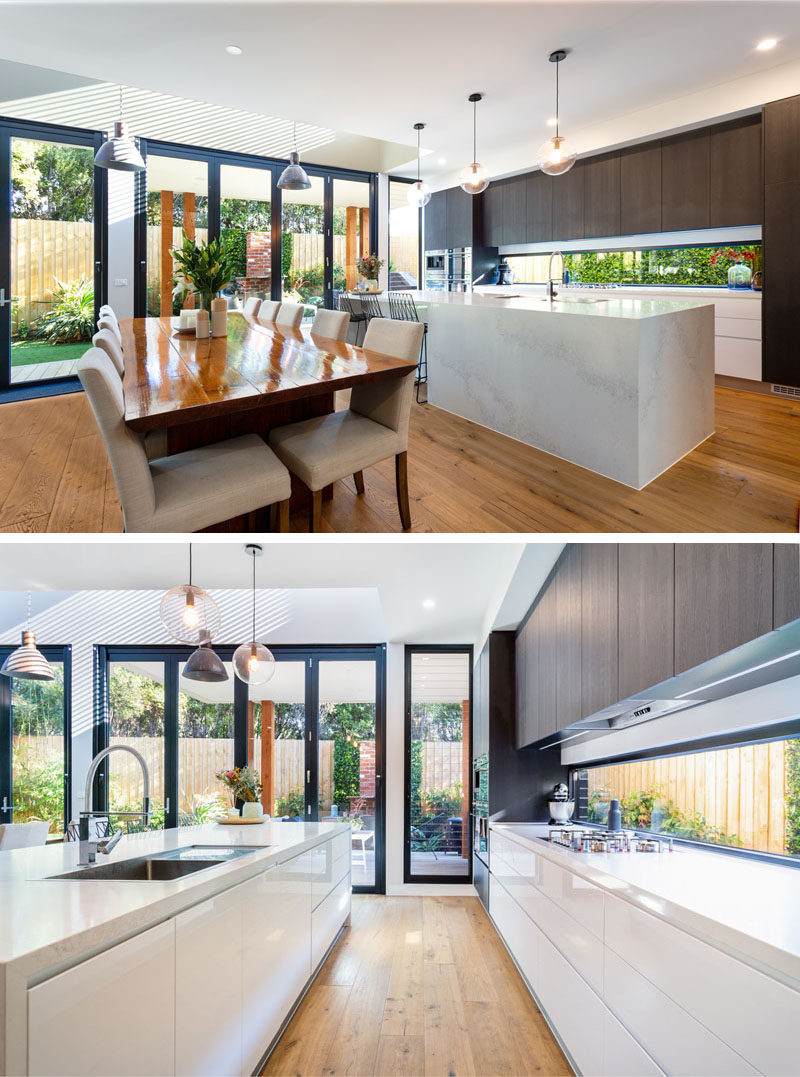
[(442, 763), (740, 790), (43, 253)]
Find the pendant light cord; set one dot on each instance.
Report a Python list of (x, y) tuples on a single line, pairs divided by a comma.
[(29, 611), (419, 135), (190, 564), (474, 132), (254, 596), (558, 64)]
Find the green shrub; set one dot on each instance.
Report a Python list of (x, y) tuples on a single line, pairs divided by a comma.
[(292, 804), (793, 797), (236, 243), (445, 800), (670, 266), (71, 318), (38, 789), (346, 771), (310, 283), (649, 809)]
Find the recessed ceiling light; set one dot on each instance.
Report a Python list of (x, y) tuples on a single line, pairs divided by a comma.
[(428, 603), (767, 43), (441, 161), (233, 50), (552, 121)]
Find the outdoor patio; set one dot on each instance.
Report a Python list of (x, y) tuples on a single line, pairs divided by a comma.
[(421, 864)]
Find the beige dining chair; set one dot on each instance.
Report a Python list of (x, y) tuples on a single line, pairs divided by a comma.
[(155, 441), (23, 835), (107, 311), (187, 491), (268, 311), (374, 427), (330, 323), (112, 325), (290, 315), (251, 306)]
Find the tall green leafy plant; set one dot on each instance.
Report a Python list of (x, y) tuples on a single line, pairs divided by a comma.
[(71, 318), (204, 269)]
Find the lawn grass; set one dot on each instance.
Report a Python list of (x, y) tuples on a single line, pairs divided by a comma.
[(27, 352)]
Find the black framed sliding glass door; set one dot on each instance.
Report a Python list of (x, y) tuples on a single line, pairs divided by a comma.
[(52, 243), (35, 740)]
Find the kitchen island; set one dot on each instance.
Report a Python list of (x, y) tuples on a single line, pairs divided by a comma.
[(183, 972), (621, 386)]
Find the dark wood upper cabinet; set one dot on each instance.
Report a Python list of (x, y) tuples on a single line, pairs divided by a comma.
[(436, 221), (539, 208), (723, 598), (546, 634), (515, 224), (786, 585), (780, 325), (640, 190), (493, 214), (685, 182), (781, 121), (568, 204), (599, 627), (523, 696), (601, 179), (459, 230), (646, 615), (736, 175), (567, 585)]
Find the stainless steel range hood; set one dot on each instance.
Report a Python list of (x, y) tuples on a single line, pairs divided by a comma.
[(764, 660)]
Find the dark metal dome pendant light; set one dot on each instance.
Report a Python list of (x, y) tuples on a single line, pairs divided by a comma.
[(27, 662), (189, 613), (204, 664), (474, 178), (294, 177), (119, 153), (419, 193), (557, 155), (253, 663)]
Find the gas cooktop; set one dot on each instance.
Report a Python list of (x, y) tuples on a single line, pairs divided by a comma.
[(588, 840)]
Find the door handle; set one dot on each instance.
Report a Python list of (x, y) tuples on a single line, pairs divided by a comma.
[(10, 807), (11, 299)]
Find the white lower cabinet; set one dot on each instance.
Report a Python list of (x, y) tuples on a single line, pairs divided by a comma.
[(623, 1056), (327, 918), (208, 986), (576, 1012), (520, 935), (112, 1015)]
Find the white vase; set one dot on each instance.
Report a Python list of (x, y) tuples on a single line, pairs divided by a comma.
[(372, 286), (252, 809)]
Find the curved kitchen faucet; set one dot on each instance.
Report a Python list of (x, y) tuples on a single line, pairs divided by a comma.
[(551, 292), (88, 847)]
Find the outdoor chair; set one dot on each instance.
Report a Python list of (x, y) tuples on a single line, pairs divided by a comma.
[(357, 316)]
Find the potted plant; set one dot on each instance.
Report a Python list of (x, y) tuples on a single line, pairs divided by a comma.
[(245, 785), (204, 269), (369, 266)]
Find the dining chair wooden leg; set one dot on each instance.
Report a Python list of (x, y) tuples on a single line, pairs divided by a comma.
[(283, 515), (358, 479), (401, 476), (315, 511)]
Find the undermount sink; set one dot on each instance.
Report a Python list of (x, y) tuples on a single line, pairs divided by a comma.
[(573, 299), (161, 867)]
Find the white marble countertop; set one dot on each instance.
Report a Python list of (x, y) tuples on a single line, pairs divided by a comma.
[(749, 908), (700, 293), (578, 303), (53, 922)]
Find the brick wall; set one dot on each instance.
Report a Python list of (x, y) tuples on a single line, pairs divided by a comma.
[(366, 749), (259, 255)]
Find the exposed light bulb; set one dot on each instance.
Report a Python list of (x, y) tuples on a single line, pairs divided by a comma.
[(419, 193), (252, 663), (191, 618), (555, 156)]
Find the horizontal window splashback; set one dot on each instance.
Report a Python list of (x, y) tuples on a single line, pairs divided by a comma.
[(710, 237)]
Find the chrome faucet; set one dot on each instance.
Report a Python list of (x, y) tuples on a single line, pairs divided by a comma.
[(551, 291), (89, 847)]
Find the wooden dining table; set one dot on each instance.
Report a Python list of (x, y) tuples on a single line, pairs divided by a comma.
[(257, 378)]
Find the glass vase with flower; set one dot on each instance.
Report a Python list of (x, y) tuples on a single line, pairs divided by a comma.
[(245, 784), (369, 267), (740, 273)]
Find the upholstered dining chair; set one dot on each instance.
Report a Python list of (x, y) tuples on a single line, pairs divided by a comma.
[(154, 441), (330, 323), (374, 427), (290, 315), (251, 305), (187, 491), (107, 311), (23, 835), (112, 325), (268, 311)]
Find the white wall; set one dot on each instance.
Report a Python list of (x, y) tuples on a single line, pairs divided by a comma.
[(120, 262)]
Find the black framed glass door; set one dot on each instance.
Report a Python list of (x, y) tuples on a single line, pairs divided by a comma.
[(35, 744), (52, 243)]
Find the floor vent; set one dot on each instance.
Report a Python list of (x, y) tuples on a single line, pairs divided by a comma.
[(786, 390)]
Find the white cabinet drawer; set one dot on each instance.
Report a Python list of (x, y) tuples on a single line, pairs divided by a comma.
[(737, 358), (330, 862), (574, 1009), (729, 307), (580, 899), (678, 1043), (113, 1014), (756, 1015), (747, 328), (501, 849), (341, 845), (623, 1056), (327, 918), (519, 933), (579, 946)]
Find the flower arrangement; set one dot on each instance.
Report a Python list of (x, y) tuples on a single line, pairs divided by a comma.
[(243, 782), (735, 256), (369, 266)]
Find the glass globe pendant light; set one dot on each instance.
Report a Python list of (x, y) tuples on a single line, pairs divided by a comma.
[(253, 663), (474, 178), (27, 662), (557, 155), (419, 193), (119, 153), (294, 177), (189, 613)]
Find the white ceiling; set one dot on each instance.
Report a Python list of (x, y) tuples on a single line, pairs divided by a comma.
[(465, 580), (371, 68)]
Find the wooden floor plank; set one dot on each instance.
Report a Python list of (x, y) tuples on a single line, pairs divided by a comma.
[(80, 497), (462, 477), (400, 1056)]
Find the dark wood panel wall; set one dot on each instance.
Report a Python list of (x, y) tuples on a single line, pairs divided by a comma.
[(613, 620)]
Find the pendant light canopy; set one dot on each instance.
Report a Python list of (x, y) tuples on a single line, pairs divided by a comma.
[(557, 155), (27, 662), (294, 177), (253, 663), (474, 178), (205, 665), (189, 613), (119, 153), (419, 193)]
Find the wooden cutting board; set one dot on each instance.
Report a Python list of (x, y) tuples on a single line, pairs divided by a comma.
[(239, 821)]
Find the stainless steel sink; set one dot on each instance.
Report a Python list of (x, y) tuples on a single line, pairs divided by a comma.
[(573, 299), (160, 867)]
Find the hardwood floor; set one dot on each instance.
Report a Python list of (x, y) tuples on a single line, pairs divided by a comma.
[(54, 476), (418, 986)]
